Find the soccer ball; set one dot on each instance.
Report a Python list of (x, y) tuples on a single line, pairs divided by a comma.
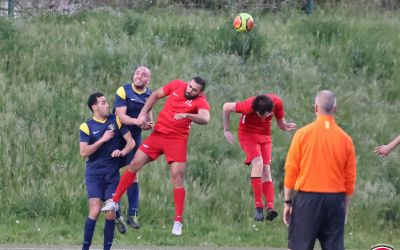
[(243, 22)]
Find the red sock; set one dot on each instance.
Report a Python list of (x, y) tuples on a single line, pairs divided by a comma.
[(124, 183), (268, 190), (179, 201), (256, 183)]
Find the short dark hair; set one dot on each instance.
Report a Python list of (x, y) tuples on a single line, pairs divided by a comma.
[(93, 99), (262, 104), (200, 81)]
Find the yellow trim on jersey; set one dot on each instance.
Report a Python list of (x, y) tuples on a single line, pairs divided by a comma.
[(85, 128), (121, 92), (138, 91), (119, 122), (101, 121)]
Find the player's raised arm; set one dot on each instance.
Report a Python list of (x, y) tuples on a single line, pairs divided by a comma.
[(125, 119), (154, 97), (149, 124)]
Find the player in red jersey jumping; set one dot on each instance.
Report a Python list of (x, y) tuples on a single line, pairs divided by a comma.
[(254, 136), (185, 104)]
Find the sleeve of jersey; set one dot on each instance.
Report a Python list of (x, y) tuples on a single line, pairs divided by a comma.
[(84, 133), (204, 105), (122, 128), (350, 169), (278, 109), (292, 164), (171, 86), (120, 97), (244, 107), (119, 123)]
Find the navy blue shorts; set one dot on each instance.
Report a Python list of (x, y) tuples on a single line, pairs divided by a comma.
[(317, 216), (101, 186)]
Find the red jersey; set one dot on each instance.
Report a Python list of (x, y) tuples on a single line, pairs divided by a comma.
[(251, 123), (177, 103)]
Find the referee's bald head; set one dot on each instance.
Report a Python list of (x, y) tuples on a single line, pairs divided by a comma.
[(326, 102)]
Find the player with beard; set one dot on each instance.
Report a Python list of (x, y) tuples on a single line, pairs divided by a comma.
[(185, 104), (129, 101)]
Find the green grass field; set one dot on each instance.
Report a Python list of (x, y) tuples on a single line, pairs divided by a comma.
[(49, 64)]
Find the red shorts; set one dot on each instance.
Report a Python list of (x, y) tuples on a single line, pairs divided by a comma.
[(157, 144), (254, 147)]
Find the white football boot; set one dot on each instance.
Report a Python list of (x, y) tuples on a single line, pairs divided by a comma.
[(177, 228)]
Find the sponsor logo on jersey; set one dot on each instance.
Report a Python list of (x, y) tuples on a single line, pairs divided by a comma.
[(382, 247), (111, 127)]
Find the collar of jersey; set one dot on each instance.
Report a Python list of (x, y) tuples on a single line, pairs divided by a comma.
[(100, 121), (322, 118), (137, 90)]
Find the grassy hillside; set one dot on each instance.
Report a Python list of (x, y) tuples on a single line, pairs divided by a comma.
[(50, 64)]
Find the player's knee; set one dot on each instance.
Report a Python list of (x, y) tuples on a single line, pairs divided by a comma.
[(110, 215), (267, 169), (94, 213), (133, 166), (257, 162), (94, 207), (256, 169), (130, 168), (177, 177), (256, 172), (177, 180), (267, 178)]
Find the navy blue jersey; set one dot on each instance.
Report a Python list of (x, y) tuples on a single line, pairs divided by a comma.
[(91, 131), (134, 101)]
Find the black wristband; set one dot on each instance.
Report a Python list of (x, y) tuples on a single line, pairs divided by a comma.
[(288, 202)]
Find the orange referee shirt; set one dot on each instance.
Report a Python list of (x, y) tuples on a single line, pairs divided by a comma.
[(321, 159)]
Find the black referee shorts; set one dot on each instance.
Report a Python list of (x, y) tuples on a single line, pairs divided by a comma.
[(317, 216)]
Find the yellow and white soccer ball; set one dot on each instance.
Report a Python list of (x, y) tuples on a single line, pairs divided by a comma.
[(243, 22)]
